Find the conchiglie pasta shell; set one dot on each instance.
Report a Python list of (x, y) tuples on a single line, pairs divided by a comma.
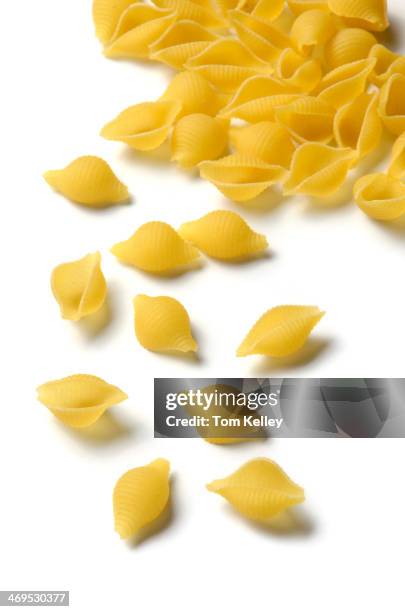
[(259, 490), (281, 331), (301, 6), (347, 46), (79, 287), (155, 247), (106, 15), (380, 196), (388, 63), (88, 180), (179, 42), (265, 140), (392, 104), (267, 9), (195, 94), (162, 324), (367, 14), (197, 138), (140, 496), (143, 126), (241, 178), (397, 164), (308, 119), (262, 38), (358, 125), (318, 170), (303, 74), (312, 28), (79, 400), (223, 234), (193, 11), (344, 84)]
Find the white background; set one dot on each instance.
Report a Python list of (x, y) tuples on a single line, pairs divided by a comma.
[(56, 527)]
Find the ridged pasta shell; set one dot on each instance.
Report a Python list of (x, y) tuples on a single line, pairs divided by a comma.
[(347, 46), (281, 331), (295, 70), (194, 11), (257, 99), (197, 138), (241, 178), (79, 287), (344, 84), (163, 324), (139, 26), (144, 126), (388, 63), (155, 247), (259, 490), (367, 14), (358, 125), (106, 15), (265, 140), (300, 6), (318, 169), (195, 94), (223, 234), (79, 400), (179, 42), (308, 119), (140, 496), (312, 28), (380, 196), (397, 162), (88, 180), (392, 104), (259, 36), (267, 9)]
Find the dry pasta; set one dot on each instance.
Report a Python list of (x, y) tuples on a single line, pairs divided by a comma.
[(392, 104), (302, 73), (344, 84), (201, 12), (300, 6), (265, 140), (312, 28), (194, 93), (397, 162), (307, 119), (347, 46), (380, 196), (106, 15), (180, 42), (368, 14), (197, 138), (79, 400), (358, 125), (388, 63), (260, 36)]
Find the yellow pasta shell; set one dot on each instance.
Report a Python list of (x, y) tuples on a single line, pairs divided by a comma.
[(281, 331), (138, 27), (259, 490), (358, 125), (195, 94), (318, 169), (265, 140), (79, 400), (140, 496), (143, 126), (195, 11), (79, 287), (300, 6), (392, 104), (397, 163), (163, 324), (344, 84), (88, 180), (155, 247), (380, 196), (267, 9), (223, 234), (179, 42), (239, 177), (312, 28), (367, 14), (262, 38), (388, 63), (106, 15), (308, 119), (197, 138), (303, 74), (347, 46)]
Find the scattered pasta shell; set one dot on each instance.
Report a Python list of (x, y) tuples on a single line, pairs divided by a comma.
[(281, 331), (139, 26), (358, 125), (347, 46), (143, 126), (397, 164), (223, 234), (89, 181), (367, 14), (268, 10), (387, 64), (380, 196), (295, 70), (308, 119), (259, 490), (265, 140), (197, 138), (344, 84), (260, 36), (140, 496), (79, 287), (179, 42), (106, 15), (155, 247), (163, 324), (241, 178), (199, 12), (392, 104), (300, 6), (312, 28), (79, 400), (195, 94)]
